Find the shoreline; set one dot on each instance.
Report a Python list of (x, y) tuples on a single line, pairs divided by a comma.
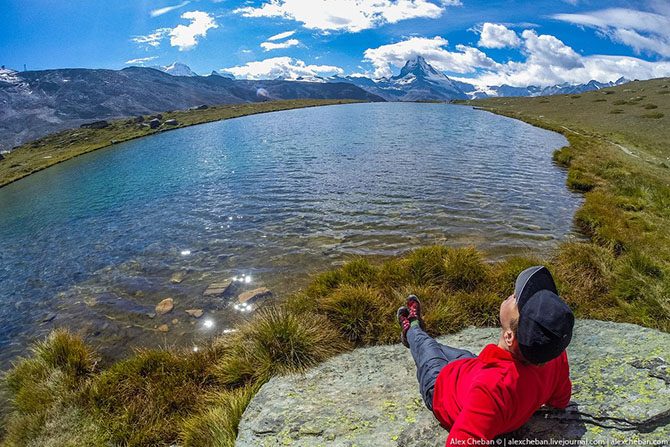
[(55, 148)]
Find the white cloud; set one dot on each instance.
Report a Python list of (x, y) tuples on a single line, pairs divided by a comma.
[(161, 11), (186, 36), (465, 60), (549, 61), (268, 46), (281, 36), (497, 36), (140, 60), (153, 39), (183, 36), (347, 15), (643, 31), (284, 67)]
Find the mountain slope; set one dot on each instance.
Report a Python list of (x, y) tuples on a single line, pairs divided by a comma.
[(36, 103)]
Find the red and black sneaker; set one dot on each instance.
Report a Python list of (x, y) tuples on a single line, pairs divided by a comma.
[(403, 321), (414, 306)]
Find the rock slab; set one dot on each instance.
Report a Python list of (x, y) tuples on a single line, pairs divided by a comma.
[(370, 397)]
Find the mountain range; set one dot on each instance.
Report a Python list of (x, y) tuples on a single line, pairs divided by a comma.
[(35, 103), (420, 81)]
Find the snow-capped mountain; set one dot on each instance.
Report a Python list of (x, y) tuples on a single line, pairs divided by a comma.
[(176, 69), (420, 81), (417, 81), (223, 75)]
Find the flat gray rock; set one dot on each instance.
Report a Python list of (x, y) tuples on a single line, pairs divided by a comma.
[(370, 397)]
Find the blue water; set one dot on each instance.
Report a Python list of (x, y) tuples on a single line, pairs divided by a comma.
[(91, 243)]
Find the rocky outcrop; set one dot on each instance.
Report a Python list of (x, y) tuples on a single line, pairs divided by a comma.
[(369, 397)]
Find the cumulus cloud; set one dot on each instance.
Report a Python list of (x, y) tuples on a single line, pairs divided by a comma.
[(497, 36), (643, 31), (465, 60), (283, 67), (549, 61), (186, 36), (140, 60), (347, 15), (268, 46), (281, 36), (161, 11)]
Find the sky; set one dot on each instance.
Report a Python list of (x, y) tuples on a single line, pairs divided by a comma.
[(487, 42)]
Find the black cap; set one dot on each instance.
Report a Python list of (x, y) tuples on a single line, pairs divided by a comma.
[(545, 320)]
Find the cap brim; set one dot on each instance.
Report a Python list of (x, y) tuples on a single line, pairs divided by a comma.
[(531, 281)]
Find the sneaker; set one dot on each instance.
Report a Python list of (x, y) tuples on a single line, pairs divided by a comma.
[(414, 306), (403, 321)]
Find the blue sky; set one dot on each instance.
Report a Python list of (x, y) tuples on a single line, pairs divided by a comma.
[(489, 42)]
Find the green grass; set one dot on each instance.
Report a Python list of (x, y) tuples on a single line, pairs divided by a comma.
[(56, 148)]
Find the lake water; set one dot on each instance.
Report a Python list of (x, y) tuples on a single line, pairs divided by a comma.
[(92, 243)]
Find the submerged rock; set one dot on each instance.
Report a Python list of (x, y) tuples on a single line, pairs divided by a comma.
[(195, 313), (177, 277), (370, 397), (165, 306), (220, 288), (251, 296)]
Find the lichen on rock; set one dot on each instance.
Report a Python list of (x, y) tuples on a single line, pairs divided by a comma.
[(370, 397)]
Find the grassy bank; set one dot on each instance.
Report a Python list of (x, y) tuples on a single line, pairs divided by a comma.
[(60, 396), (619, 157), (56, 148)]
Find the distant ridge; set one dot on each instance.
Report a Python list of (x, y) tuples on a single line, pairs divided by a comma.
[(35, 103)]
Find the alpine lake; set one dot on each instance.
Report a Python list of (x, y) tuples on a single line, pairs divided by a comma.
[(206, 213)]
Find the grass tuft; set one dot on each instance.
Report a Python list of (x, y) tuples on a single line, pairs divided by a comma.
[(464, 269), (275, 342)]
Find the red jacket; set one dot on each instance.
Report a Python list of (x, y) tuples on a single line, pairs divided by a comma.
[(483, 397)]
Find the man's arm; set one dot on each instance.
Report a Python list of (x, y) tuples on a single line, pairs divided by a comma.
[(479, 419), (563, 388)]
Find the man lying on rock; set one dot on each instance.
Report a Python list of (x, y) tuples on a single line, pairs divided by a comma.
[(480, 397)]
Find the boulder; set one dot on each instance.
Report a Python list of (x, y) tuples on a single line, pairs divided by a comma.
[(2, 157), (95, 125), (139, 119), (165, 306), (370, 397), (163, 328), (154, 123), (202, 107), (172, 122)]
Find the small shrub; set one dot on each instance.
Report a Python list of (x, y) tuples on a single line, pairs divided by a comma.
[(446, 317), (655, 115), (650, 106), (464, 268), (600, 100), (620, 102), (576, 96), (609, 92), (616, 111), (543, 101)]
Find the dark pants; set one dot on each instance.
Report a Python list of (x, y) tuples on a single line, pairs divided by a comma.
[(430, 357)]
